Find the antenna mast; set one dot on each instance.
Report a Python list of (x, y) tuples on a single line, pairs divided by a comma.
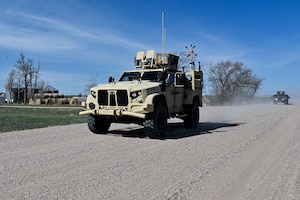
[(191, 55), (163, 29)]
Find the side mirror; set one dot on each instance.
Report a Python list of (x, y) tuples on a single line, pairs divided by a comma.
[(111, 79)]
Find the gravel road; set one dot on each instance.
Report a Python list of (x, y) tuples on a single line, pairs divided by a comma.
[(238, 152)]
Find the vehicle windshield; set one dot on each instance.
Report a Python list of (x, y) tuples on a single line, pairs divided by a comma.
[(151, 76), (280, 96), (130, 76)]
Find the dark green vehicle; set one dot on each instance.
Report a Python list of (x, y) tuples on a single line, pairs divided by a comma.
[(281, 97)]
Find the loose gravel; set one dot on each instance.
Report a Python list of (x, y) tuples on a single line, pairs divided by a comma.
[(237, 152)]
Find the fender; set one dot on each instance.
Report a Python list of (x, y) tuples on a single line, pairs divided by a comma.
[(153, 98), (150, 98)]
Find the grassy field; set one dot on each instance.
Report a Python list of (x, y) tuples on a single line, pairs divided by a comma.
[(21, 118)]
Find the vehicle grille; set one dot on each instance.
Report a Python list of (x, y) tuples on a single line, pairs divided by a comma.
[(113, 98)]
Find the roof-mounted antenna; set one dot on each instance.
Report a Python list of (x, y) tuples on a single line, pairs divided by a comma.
[(191, 55), (163, 30)]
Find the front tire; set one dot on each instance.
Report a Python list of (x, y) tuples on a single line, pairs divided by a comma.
[(98, 125), (155, 125), (192, 119)]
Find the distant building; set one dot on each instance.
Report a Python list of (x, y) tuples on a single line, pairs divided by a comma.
[(49, 91)]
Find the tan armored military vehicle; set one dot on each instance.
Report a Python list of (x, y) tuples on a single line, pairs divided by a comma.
[(149, 95)]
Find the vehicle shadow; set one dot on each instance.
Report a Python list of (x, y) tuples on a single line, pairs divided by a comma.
[(177, 130), (138, 133)]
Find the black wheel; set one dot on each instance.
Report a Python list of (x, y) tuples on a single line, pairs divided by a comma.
[(155, 124), (192, 119), (98, 125)]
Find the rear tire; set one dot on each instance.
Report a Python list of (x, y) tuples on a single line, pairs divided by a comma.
[(155, 124), (192, 119), (98, 125)]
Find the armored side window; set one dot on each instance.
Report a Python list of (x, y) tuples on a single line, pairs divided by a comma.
[(170, 79)]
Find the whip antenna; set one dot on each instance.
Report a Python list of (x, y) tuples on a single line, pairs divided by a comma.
[(163, 30)]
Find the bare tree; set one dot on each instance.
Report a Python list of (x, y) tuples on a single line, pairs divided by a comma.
[(37, 75), (41, 86), (25, 68), (92, 82), (183, 61), (19, 80), (33, 80), (232, 80), (24, 78), (10, 82)]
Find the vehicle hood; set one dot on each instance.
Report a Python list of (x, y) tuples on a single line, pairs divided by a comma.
[(127, 85)]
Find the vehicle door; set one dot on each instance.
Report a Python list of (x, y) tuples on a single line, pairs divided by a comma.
[(175, 91)]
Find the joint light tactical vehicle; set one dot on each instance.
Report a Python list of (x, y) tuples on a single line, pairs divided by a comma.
[(281, 97), (149, 95)]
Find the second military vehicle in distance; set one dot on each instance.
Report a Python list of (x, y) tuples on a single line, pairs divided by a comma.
[(149, 95), (281, 97)]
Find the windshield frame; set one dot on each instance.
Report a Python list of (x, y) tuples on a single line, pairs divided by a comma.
[(152, 76)]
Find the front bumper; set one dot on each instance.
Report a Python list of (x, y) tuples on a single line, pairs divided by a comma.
[(133, 110), (280, 100)]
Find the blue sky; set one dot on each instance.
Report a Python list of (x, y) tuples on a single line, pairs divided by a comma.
[(74, 40)]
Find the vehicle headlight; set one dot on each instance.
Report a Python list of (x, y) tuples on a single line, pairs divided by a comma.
[(135, 94), (93, 93)]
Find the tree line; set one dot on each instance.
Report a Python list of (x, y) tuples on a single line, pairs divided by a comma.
[(229, 81)]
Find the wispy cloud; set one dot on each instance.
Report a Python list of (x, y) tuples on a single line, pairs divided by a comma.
[(46, 34), (36, 42)]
